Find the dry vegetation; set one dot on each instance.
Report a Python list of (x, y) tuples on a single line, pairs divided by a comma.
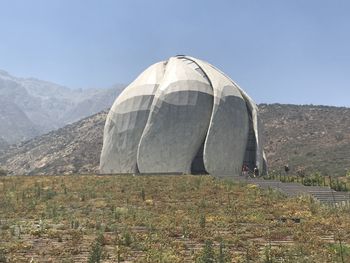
[(163, 219)]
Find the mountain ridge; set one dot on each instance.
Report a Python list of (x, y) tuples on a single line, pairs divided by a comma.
[(308, 138)]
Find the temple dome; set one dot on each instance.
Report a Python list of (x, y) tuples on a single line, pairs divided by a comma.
[(182, 116)]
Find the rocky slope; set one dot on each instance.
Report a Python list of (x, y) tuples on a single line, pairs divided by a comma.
[(74, 148), (30, 107), (311, 138)]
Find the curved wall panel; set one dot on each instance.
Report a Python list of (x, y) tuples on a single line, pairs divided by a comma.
[(227, 136), (254, 120), (126, 121), (178, 121)]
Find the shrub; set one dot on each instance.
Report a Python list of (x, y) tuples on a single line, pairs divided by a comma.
[(338, 185), (202, 221), (143, 195), (96, 253), (3, 258), (314, 179), (223, 255), (127, 238), (96, 249), (207, 254)]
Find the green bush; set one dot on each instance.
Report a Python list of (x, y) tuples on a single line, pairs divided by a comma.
[(315, 179), (338, 185)]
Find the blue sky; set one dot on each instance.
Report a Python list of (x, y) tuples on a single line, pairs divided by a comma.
[(286, 51)]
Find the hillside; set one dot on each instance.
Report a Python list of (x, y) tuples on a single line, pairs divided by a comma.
[(31, 107), (312, 138), (74, 148)]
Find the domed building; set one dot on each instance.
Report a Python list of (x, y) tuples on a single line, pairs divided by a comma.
[(182, 116)]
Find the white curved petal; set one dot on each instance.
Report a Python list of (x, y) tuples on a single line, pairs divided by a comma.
[(227, 135), (126, 121), (257, 159), (178, 121)]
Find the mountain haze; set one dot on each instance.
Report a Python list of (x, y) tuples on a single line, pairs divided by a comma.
[(30, 107), (15, 124)]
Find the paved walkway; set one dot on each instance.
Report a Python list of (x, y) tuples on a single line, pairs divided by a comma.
[(323, 194)]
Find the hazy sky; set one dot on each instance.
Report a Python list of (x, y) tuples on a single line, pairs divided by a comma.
[(287, 51)]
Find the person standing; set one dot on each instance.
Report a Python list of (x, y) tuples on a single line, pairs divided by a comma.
[(245, 170), (256, 171), (286, 168)]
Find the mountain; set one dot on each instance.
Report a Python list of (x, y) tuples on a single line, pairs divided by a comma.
[(11, 131), (74, 148), (97, 102), (309, 138), (3, 144), (33, 107)]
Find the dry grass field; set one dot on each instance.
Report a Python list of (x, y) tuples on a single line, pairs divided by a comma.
[(164, 219)]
